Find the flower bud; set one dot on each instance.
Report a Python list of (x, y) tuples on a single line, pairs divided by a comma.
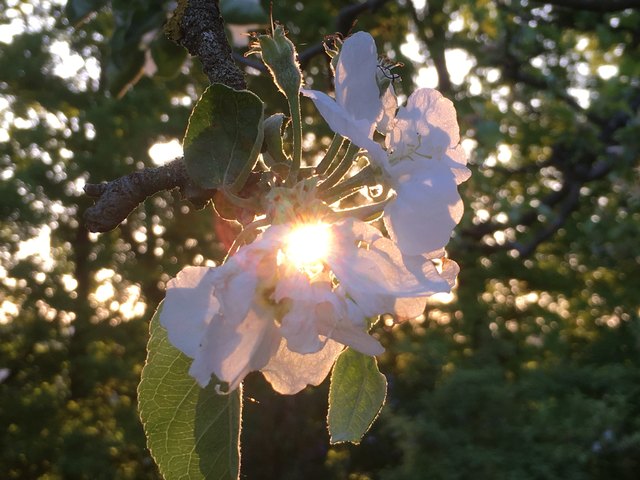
[(279, 55)]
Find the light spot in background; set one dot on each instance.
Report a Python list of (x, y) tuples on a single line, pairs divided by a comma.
[(606, 72), (582, 44), (459, 64), (427, 78), (39, 247), (412, 49), (456, 24), (67, 63), (162, 153), (582, 96), (8, 311), (504, 153)]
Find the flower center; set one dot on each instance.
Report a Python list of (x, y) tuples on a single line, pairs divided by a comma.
[(307, 246)]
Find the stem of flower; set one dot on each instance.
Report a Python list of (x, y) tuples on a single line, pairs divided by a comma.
[(342, 168), (245, 203), (244, 235), (368, 213), (296, 125), (366, 176), (334, 147)]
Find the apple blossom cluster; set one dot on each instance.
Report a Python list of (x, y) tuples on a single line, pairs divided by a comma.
[(307, 278)]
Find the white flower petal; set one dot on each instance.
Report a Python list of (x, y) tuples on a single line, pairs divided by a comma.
[(409, 308), (389, 108), (427, 208), (457, 159), (189, 307), (300, 326), (289, 372), (341, 122), (348, 326), (427, 110), (356, 86), (232, 351), (375, 275), (233, 292)]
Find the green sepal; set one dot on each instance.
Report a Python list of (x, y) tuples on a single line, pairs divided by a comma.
[(280, 56), (273, 139), (356, 396), (224, 137), (192, 432)]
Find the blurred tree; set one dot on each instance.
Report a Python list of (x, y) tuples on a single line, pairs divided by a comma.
[(530, 371)]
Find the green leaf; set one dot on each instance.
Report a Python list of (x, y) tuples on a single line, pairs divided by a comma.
[(243, 12), (356, 396), (224, 137), (191, 432)]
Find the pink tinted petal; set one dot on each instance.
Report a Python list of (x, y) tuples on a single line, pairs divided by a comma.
[(450, 271), (289, 372), (457, 159), (348, 334), (300, 325), (348, 326), (189, 307), (356, 86), (424, 269), (409, 308), (310, 304), (235, 293), (232, 351)]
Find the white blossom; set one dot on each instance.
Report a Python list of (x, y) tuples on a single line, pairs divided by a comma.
[(426, 165), (423, 161), (264, 311), (357, 105)]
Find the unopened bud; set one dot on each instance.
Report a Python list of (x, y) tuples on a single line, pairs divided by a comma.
[(279, 55)]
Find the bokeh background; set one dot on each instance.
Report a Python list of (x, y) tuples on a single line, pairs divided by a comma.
[(529, 370)]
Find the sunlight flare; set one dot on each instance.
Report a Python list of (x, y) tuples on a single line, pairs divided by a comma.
[(307, 246)]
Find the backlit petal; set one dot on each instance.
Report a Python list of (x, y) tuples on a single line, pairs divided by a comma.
[(189, 307), (356, 86), (289, 372)]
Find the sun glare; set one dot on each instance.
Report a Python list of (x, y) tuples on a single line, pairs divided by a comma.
[(307, 246)]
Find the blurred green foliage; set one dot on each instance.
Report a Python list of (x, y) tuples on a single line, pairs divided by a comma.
[(532, 371)]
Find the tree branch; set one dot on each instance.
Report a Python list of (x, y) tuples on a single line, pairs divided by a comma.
[(118, 198), (198, 26)]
